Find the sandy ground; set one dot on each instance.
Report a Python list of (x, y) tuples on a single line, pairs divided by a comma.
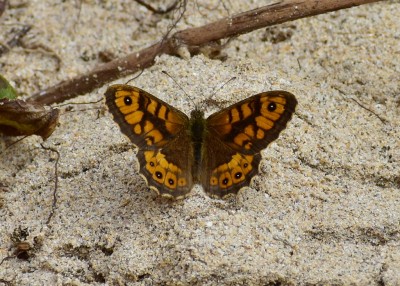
[(325, 208)]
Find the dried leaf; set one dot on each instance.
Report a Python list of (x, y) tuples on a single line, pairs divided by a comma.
[(18, 118)]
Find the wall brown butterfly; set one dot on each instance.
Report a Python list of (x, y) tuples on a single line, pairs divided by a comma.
[(222, 152)]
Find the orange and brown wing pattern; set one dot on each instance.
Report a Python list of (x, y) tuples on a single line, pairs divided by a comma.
[(242, 131), (155, 128), (148, 121), (224, 170), (166, 173)]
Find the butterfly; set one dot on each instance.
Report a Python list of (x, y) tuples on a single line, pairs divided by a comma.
[(222, 152)]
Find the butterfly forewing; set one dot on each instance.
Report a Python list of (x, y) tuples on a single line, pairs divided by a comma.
[(148, 121), (237, 134), (159, 131)]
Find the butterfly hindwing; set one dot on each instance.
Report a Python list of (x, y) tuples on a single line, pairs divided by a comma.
[(155, 127), (236, 135), (224, 170), (168, 171)]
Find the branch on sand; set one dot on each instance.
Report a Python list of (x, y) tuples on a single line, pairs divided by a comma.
[(192, 39)]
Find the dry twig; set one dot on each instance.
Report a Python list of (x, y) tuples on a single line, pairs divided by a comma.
[(192, 39)]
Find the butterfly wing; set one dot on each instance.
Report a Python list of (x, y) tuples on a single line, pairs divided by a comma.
[(160, 132), (236, 135)]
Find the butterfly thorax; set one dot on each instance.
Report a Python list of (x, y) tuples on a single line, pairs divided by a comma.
[(197, 132)]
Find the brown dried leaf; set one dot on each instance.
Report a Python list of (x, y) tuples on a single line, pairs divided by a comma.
[(18, 118)]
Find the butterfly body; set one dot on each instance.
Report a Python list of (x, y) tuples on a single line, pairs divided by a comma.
[(221, 152), (197, 127)]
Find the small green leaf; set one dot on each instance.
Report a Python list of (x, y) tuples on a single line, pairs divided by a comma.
[(6, 90)]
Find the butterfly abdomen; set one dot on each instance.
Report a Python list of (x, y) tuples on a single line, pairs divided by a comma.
[(197, 129)]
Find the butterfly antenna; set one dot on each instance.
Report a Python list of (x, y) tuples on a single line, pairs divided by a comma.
[(210, 99), (166, 73), (228, 81), (141, 71)]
